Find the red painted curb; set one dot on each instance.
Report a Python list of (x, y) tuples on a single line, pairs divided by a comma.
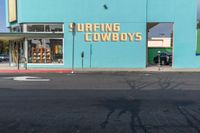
[(35, 71)]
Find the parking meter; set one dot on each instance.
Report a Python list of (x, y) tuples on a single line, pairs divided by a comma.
[(82, 56), (159, 60), (73, 29), (73, 47)]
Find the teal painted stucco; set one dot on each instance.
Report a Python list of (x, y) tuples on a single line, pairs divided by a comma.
[(131, 14), (162, 10), (81, 11), (109, 54), (183, 13)]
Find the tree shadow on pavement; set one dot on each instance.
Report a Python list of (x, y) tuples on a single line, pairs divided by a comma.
[(138, 122), (125, 106), (134, 106)]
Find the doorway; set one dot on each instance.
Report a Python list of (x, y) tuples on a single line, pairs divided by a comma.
[(4, 54), (160, 41), (16, 53)]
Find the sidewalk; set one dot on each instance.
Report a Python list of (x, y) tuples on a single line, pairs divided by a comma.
[(5, 68), (148, 69)]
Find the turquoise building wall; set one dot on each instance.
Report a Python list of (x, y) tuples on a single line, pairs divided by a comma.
[(183, 13), (133, 16)]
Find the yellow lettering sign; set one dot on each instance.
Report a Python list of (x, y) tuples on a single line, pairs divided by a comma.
[(105, 37), (110, 32), (115, 37), (123, 37), (131, 36), (88, 28), (138, 36), (86, 37), (96, 37)]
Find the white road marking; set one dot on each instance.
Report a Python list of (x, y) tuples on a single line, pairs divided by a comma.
[(28, 78)]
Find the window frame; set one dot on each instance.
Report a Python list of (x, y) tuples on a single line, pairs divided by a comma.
[(25, 29)]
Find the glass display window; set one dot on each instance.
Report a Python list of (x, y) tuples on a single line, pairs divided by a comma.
[(48, 51), (35, 28), (54, 28), (48, 28)]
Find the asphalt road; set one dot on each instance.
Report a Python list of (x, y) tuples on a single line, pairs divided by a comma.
[(100, 103)]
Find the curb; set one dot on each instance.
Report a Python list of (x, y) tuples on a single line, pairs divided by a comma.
[(139, 71), (90, 71), (34, 71)]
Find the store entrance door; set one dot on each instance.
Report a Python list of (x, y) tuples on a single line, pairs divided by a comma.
[(17, 54)]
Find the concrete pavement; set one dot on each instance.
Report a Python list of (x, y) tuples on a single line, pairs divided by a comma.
[(101, 103)]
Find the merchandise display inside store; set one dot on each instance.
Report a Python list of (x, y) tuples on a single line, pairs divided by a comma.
[(41, 55), (45, 51)]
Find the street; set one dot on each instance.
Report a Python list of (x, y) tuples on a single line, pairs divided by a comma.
[(123, 102)]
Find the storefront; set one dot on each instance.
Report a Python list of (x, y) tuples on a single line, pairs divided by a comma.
[(100, 34), (35, 49)]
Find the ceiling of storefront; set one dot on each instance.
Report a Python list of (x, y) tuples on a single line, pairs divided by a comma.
[(20, 36)]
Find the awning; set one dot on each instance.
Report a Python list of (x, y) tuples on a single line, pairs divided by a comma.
[(20, 36)]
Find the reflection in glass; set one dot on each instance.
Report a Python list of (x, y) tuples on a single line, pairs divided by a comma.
[(35, 28), (53, 28)]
